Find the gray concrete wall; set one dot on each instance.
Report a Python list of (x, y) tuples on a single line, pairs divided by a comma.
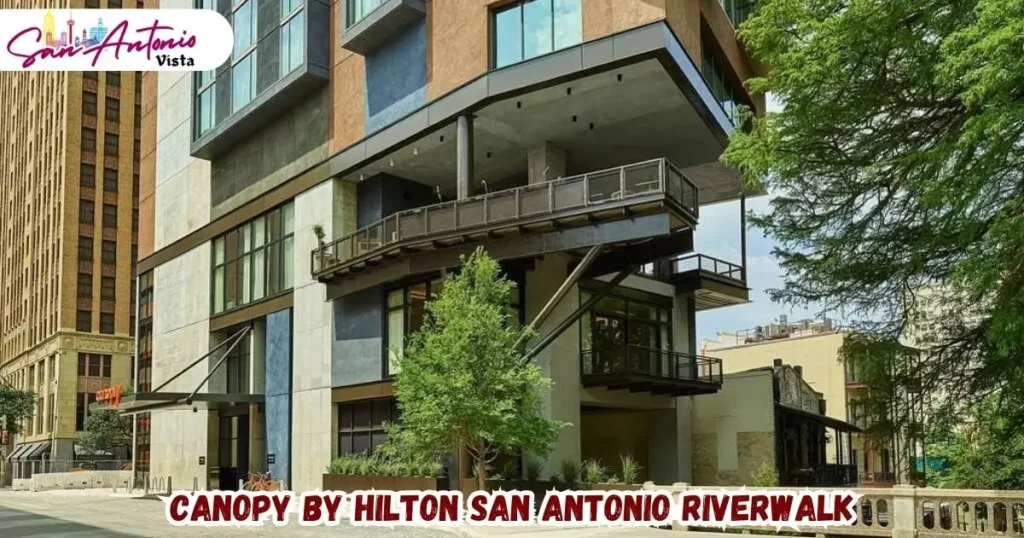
[(290, 144), (383, 195), (396, 78), (357, 348)]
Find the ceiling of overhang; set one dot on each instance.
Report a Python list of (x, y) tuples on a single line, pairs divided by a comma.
[(625, 115)]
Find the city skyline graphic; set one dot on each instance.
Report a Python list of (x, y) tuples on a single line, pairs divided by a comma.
[(64, 35)]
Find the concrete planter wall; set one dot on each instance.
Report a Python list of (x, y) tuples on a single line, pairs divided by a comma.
[(345, 482)]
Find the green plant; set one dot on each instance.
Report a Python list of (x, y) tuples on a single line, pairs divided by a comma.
[(318, 231), (462, 380), (630, 469), (510, 470), (534, 467), (105, 430), (569, 472), (614, 479), (15, 406), (593, 472), (765, 476)]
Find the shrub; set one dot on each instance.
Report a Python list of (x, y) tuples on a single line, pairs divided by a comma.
[(630, 469), (593, 472), (765, 476), (533, 469), (569, 472)]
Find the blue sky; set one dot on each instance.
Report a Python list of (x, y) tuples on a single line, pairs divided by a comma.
[(718, 235)]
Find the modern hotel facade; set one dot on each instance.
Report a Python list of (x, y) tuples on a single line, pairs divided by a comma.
[(69, 189), (303, 201)]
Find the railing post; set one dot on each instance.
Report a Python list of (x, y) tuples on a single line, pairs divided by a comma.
[(586, 190), (551, 197), (426, 220), (661, 175), (518, 208), (904, 511), (398, 232), (622, 183), (455, 215), (487, 206)]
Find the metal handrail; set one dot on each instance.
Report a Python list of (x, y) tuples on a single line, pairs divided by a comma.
[(703, 262), (654, 362), (550, 197)]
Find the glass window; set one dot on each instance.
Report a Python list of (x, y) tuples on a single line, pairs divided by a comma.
[(110, 180), (88, 175), (109, 252), (108, 287), (293, 41), (206, 108), (358, 9), (113, 109), (531, 28), (110, 144), (84, 248), (244, 27), (107, 323), (254, 260), (109, 216), (89, 103), (243, 82), (83, 320), (88, 139), (361, 425), (721, 83), (86, 211)]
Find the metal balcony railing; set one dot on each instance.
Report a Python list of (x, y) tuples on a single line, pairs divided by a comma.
[(651, 362), (700, 262), (593, 191)]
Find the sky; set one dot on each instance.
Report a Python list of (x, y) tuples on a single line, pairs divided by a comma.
[(718, 235)]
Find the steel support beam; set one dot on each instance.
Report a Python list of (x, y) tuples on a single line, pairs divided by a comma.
[(570, 281), (577, 314), (743, 236), (242, 334), (464, 156), (195, 362)]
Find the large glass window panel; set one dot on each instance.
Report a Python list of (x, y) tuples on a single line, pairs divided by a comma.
[(286, 263), (231, 285), (259, 274), (244, 27), (287, 6), (259, 232), (568, 23), (292, 44), (206, 109), (288, 216), (358, 9), (218, 289), (396, 338), (246, 279), (243, 82), (274, 269), (537, 32), (508, 36)]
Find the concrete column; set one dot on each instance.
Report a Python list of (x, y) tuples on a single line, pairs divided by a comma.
[(258, 357), (903, 511), (560, 360), (545, 162), (464, 156)]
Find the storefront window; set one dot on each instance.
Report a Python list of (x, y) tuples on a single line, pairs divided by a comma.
[(361, 425)]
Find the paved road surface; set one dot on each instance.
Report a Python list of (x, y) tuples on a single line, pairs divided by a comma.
[(17, 523)]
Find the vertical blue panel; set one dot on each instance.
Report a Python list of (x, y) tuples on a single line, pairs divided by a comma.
[(396, 78), (278, 393)]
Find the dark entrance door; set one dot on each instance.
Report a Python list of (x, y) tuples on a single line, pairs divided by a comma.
[(233, 436)]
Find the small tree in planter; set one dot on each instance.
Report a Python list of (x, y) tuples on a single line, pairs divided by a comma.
[(462, 380)]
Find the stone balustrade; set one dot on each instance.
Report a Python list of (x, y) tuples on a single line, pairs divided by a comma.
[(909, 512)]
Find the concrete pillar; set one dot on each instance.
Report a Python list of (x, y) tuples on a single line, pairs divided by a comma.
[(257, 440), (258, 357), (545, 162), (663, 447), (464, 156), (903, 511), (560, 360), (684, 340)]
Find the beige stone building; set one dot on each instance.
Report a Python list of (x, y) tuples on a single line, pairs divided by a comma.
[(68, 234), (769, 416), (812, 346)]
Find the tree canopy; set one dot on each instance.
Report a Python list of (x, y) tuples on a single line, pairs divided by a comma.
[(462, 380), (105, 430), (896, 164), (15, 406)]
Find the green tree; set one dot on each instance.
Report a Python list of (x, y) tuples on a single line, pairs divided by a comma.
[(462, 380), (896, 163), (986, 452), (106, 429), (15, 406)]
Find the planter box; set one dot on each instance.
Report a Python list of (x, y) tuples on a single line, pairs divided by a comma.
[(610, 487), (349, 483)]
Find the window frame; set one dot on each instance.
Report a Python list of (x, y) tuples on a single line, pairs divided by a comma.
[(394, 415), (243, 261), (494, 13)]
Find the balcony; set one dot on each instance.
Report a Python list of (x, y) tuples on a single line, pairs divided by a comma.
[(657, 371), (626, 192), (714, 283)]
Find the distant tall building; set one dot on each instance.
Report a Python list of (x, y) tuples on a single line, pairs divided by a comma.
[(99, 32), (68, 235), (49, 28)]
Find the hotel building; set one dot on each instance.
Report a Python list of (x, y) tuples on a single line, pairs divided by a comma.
[(302, 202)]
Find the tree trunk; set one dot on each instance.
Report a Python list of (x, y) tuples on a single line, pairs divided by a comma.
[(481, 472)]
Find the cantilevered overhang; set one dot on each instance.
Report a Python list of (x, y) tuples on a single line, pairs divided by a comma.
[(714, 283), (157, 401), (690, 128), (623, 99)]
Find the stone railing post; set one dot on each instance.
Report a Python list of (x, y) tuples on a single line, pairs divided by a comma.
[(904, 511)]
